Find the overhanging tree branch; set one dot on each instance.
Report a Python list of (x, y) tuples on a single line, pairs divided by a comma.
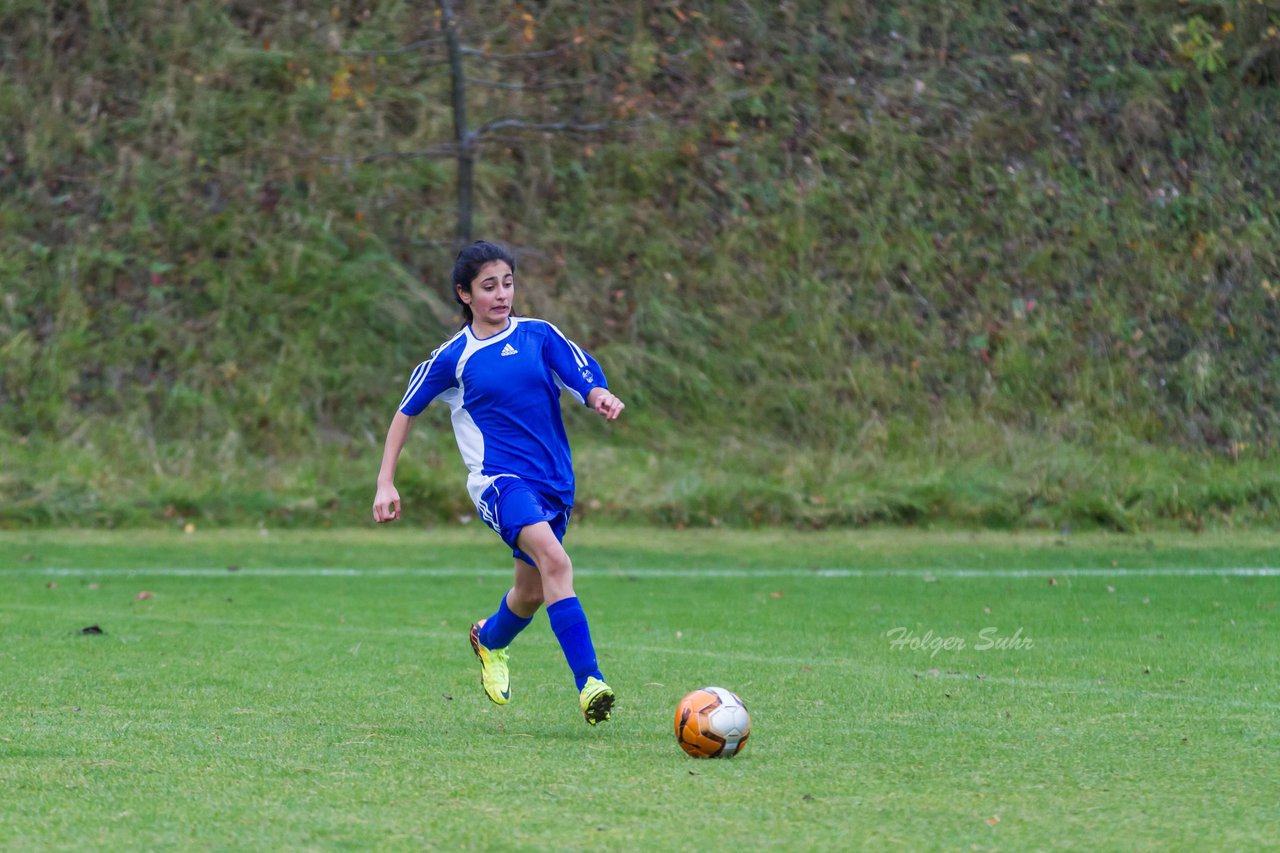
[(511, 57), (539, 126), (482, 136)]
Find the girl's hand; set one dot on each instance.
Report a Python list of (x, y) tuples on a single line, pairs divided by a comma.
[(386, 504), (605, 403)]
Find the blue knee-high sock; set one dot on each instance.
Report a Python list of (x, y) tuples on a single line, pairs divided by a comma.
[(570, 626), (501, 628)]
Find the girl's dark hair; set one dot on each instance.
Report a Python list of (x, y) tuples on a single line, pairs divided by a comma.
[(468, 265)]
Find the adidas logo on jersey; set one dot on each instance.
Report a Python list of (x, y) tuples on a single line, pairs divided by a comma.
[(509, 350)]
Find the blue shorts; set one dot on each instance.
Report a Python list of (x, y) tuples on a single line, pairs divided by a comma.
[(510, 504)]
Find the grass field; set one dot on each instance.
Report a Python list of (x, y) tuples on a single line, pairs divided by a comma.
[(315, 690)]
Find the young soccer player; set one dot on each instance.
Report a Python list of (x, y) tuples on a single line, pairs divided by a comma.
[(501, 376)]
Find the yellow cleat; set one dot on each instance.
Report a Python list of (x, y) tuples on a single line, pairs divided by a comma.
[(494, 677), (596, 701)]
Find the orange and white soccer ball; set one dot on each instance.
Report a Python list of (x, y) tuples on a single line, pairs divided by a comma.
[(712, 723)]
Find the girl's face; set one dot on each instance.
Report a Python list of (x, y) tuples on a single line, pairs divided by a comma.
[(492, 291)]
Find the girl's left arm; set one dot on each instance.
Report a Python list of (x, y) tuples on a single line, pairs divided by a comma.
[(582, 375)]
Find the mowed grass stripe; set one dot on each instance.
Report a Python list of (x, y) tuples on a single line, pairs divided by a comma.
[(448, 638)]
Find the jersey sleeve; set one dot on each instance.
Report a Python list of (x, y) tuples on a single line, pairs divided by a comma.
[(574, 368), (429, 380)]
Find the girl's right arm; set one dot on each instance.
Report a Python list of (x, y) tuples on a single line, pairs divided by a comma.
[(386, 503), (429, 380)]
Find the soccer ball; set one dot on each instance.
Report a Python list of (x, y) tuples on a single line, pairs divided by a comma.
[(712, 723)]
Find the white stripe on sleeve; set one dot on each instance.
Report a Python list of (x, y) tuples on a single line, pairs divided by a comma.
[(578, 355), (415, 381), (421, 372)]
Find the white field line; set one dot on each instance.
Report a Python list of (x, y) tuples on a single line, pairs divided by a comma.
[(979, 681), (690, 573), (1098, 688)]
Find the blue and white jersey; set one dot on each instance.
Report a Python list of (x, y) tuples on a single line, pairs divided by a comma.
[(504, 395)]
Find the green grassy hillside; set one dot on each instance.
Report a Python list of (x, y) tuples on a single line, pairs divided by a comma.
[(847, 262)]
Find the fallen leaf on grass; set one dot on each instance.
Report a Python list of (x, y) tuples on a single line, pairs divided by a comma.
[(144, 595), (993, 820)]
